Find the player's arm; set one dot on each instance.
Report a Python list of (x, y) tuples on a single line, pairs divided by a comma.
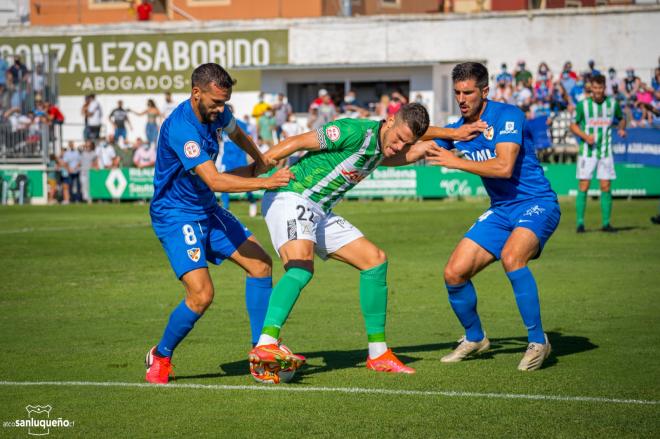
[(238, 136), (575, 126), (231, 182), (463, 133), (409, 154), (307, 141), (499, 167), (618, 115)]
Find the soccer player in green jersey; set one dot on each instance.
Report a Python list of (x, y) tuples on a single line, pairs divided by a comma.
[(301, 222), (594, 118)]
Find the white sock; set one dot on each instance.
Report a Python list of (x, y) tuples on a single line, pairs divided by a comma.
[(376, 349), (266, 339)]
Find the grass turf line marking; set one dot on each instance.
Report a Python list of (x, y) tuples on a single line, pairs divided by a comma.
[(349, 390)]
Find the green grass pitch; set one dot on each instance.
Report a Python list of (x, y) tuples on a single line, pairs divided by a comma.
[(86, 290)]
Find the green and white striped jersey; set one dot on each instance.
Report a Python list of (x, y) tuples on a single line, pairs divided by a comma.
[(350, 151), (597, 120)]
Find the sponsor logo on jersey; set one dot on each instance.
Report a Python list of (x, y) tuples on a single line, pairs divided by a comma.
[(194, 253), (488, 133), (509, 128), (191, 149), (353, 176), (479, 155), (598, 123), (333, 132)]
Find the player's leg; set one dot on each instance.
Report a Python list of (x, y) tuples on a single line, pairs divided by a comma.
[(584, 172), (525, 243), (251, 256), (605, 175)]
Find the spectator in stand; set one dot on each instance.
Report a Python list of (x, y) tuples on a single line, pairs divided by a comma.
[(544, 71), (631, 83), (352, 107), (61, 169), (559, 100), (322, 93), (504, 76), (143, 10), (593, 71), (16, 92), (93, 117), (260, 107), (71, 160), (144, 156), (503, 91), (619, 96), (168, 106), (327, 112), (39, 82), (380, 109), (125, 155), (522, 75), (313, 122), (292, 128), (282, 111), (106, 153), (5, 98), (88, 160), (577, 93), (266, 124), (119, 120), (4, 66), (153, 116), (397, 100), (611, 81), (523, 96), (19, 70), (251, 128)]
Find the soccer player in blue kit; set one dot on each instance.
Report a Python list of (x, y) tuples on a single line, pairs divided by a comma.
[(186, 217), (524, 213)]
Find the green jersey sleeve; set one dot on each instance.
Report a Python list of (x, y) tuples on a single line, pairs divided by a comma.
[(339, 134), (618, 114)]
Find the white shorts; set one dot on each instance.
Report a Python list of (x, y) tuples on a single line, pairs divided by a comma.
[(587, 165), (289, 216)]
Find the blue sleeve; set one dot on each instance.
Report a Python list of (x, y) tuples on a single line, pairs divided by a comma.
[(185, 141), (226, 117), (445, 143), (509, 127)]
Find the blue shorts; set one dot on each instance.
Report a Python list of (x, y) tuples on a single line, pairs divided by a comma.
[(120, 133), (190, 244), (493, 227)]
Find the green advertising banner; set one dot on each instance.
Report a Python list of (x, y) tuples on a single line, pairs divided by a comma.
[(405, 182), (36, 182), (127, 64)]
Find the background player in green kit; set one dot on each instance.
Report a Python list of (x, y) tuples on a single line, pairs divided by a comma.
[(594, 118), (301, 222)]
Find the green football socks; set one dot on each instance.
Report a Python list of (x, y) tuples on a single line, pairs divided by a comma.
[(606, 207), (580, 206), (282, 299), (373, 301)]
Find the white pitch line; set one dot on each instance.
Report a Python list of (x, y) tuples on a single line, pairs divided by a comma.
[(348, 390)]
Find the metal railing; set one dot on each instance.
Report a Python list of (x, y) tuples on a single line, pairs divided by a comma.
[(24, 146)]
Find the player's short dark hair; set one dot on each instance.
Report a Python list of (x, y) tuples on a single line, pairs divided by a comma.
[(471, 70), (598, 79), (209, 73), (416, 117)]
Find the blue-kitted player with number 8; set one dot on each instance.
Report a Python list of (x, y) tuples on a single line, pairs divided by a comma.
[(186, 217)]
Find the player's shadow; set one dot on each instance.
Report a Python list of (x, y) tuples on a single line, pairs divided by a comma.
[(561, 345), (326, 361), (617, 229)]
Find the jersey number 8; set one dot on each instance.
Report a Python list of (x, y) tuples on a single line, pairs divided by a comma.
[(189, 234)]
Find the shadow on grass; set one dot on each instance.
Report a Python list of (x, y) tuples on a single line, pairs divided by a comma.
[(325, 361)]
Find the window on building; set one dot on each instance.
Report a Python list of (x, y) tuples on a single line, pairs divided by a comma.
[(390, 3)]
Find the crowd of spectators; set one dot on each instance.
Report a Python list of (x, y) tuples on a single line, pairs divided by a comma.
[(546, 93)]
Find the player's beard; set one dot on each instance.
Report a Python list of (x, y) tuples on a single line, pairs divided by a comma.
[(207, 117)]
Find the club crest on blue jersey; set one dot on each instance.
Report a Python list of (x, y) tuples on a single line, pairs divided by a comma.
[(489, 133), (194, 254), (191, 149)]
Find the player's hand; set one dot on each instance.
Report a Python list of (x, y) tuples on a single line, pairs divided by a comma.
[(441, 157), (264, 167), (590, 140), (470, 131), (622, 132), (279, 179)]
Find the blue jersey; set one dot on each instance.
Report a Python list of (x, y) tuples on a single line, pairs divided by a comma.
[(184, 142), (232, 155), (506, 123)]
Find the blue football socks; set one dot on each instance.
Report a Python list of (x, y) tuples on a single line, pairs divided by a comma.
[(257, 295), (527, 298), (181, 322), (463, 300)]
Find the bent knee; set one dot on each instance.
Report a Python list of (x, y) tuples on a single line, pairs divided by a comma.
[(511, 261), (200, 298), (378, 258), (261, 268), (454, 275)]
